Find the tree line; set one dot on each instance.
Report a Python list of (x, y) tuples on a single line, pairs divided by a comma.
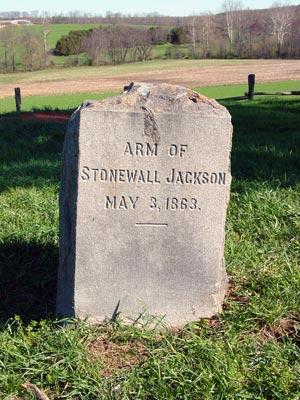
[(235, 33), (112, 44)]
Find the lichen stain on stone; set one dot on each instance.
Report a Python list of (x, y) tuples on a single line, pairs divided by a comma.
[(150, 125)]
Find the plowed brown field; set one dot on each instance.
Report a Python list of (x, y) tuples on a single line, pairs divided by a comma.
[(218, 72)]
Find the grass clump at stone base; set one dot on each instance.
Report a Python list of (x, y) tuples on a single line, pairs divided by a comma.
[(249, 351)]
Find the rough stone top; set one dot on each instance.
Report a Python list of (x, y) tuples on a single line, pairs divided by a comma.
[(159, 98)]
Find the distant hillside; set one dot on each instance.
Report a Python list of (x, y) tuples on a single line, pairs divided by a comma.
[(76, 17), (115, 38)]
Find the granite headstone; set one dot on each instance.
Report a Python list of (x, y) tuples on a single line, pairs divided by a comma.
[(144, 192)]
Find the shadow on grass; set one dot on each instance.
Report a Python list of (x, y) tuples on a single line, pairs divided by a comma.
[(29, 157), (29, 152), (266, 142), (265, 145), (28, 274)]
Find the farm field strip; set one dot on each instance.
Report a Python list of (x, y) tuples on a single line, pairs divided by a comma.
[(191, 73), (68, 102), (109, 70)]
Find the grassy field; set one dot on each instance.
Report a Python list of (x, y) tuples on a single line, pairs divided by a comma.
[(72, 101), (59, 30), (61, 102), (189, 73), (221, 92), (56, 31), (250, 351), (112, 70)]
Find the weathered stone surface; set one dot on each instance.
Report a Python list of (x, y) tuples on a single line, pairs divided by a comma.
[(144, 191)]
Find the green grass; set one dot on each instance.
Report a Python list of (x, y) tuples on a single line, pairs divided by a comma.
[(59, 30), (220, 92), (250, 351), (71, 101), (159, 51), (55, 102), (55, 33)]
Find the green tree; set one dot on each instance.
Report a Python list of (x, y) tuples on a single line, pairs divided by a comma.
[(72, 44), (176, 35)]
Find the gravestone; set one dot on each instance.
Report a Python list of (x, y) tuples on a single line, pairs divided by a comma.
[(145, 187)]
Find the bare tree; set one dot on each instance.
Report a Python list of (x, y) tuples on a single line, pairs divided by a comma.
[(33, 53), (193, 32), (117, 44), (207, 27), (91, 47), (110, 42), (281, 19), (46, 32), (158, 34), (143, 43), (242, 29), (231, 8), (9, 39), (45, 17), (295, 39)]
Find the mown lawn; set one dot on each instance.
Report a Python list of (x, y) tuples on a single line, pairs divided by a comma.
[(249, 351), (71, 101)]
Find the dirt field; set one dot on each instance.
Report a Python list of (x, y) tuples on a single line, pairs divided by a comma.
[(191, 74)]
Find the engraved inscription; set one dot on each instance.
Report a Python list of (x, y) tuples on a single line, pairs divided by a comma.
[(119, 175), (121, 202), (105, 175), (174, 203), (177, 150), (175, 177), (155, 204), (196, 177), (141, 149)]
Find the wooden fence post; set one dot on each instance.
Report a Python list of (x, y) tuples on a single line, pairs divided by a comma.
[(251, 83), (18, 99)]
